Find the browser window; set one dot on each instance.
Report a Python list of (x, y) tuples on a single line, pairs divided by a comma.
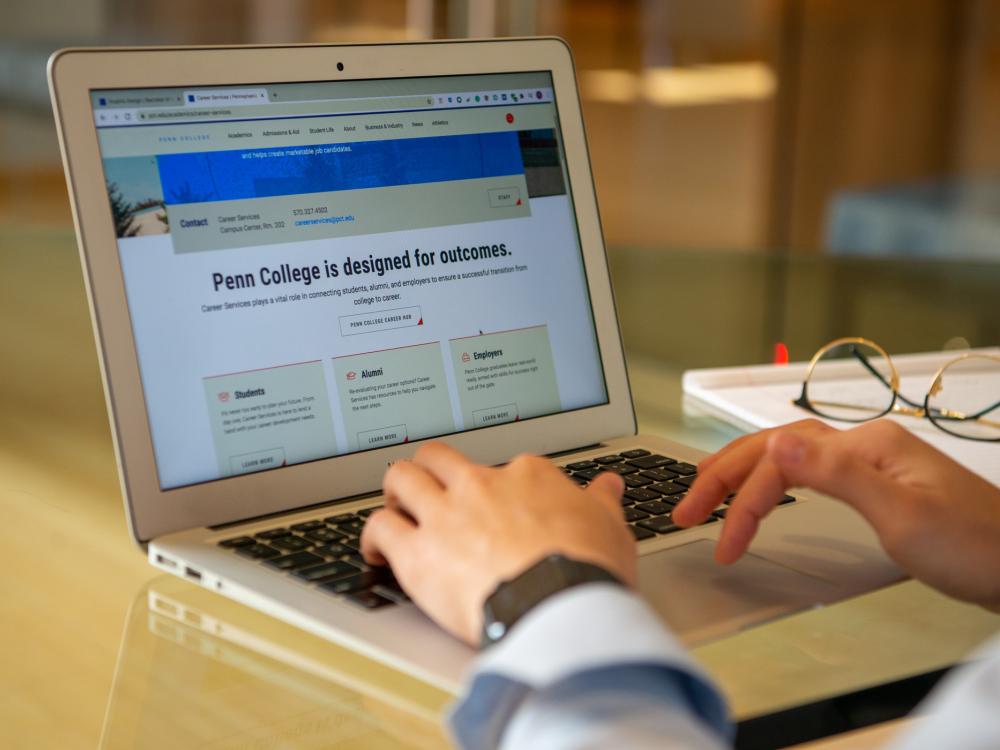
[(315, 269)]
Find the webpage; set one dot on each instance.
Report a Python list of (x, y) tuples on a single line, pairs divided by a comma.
[(311, 274)]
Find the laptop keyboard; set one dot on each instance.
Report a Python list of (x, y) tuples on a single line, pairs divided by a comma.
[(654, 484), (326, 552)]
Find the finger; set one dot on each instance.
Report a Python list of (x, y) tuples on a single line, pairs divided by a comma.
[(412, 489), (442, 461), (762, 490), (608, 488), (730, 469), (387, 537), (836, 465)]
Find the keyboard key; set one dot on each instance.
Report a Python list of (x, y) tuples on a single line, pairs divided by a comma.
[(341, 518), (354, 558), (308, 525), (613, 459), (578, 479), (660, 524), (586, 474), (720, 513), (641, 534), (359, 580), (295, 560), (654, 508), (393, 593), (631, 514), (786, 499), (257, 551), (368, 511), (642, 495), (651, 461), (682, 468), (272, 533), (323, 535), (634, 480), (352, 526), (686, 481), (239, 541), (332, 550), (368, 599), (326, 571), (668, 488), (354, 544), (290, 543), (620, 469), (659, 475), (635, 453), (581, 465)]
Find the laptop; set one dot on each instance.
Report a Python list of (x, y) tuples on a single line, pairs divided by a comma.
[(303, 261)]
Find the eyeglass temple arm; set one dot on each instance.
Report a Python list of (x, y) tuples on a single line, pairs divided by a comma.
[(867, 365), (985, 411)]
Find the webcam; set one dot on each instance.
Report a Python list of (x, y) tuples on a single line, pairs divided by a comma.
[(340, 66)]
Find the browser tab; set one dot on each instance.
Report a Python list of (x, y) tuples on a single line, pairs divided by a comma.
[(201, 97)]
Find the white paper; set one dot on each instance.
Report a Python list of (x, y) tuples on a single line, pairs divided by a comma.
[(761, 397)]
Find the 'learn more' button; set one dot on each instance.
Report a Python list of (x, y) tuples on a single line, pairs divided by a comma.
[(259, 461), (494, 415), (383, 436)]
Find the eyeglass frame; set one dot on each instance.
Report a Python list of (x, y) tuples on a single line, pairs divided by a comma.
[(911, 408)]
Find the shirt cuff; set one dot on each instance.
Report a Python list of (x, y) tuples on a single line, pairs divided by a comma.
[(582, 629)]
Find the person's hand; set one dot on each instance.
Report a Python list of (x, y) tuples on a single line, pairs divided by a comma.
[(936, 519), (453, 530)]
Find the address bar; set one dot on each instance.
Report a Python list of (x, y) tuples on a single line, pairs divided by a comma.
[(286, 109)]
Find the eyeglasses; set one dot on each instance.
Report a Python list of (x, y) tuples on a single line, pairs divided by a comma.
[(854, 380)]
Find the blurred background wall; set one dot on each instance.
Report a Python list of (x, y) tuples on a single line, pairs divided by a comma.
[(766, 169)]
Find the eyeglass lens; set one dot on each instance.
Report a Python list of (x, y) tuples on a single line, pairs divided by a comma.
[(850, 382), (965, 400)]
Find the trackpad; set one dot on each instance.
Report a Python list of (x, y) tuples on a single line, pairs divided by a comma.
[(702, 599)]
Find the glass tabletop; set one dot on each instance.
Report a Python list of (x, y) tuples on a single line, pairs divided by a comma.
[(126, 657)]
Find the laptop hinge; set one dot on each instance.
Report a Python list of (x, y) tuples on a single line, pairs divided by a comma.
[(300, 509), (361, 496), (582, 448)]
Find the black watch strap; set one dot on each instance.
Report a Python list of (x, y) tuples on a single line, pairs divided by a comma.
[(515, 598)]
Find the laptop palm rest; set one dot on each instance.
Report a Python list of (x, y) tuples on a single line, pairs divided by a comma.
[(702, 599)]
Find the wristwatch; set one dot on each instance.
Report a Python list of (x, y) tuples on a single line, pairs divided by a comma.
[(514, 598)]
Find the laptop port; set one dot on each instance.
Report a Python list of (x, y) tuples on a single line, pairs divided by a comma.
[(166, 562), (193, 574)]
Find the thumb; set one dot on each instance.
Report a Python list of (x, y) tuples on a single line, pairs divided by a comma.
[(831, 465), (608, 488)]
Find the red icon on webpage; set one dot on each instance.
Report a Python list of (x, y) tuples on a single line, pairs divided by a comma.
[(223, 396), (465, 357), (351, 375), (510, 118)]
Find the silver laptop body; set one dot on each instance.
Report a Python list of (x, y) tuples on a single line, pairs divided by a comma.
[(302, 261)]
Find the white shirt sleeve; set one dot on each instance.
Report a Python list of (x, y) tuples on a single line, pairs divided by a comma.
[(592, 666), (963, 712)]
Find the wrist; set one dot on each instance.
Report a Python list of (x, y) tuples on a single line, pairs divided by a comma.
[(514, 598)]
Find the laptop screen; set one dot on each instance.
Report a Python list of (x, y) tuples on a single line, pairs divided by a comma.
[(314, 269)]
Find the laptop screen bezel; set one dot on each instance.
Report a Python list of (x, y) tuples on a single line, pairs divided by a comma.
[(153, 511)]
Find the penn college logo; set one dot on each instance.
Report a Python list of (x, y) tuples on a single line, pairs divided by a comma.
[(465, 357), (223, 396), (351, 375)]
